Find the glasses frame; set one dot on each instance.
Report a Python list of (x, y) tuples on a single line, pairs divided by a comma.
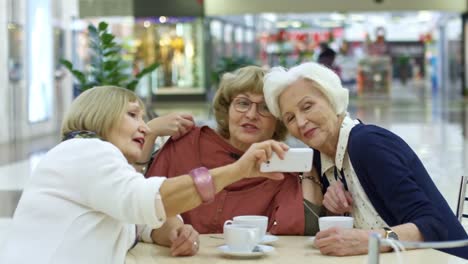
[(235, 106)]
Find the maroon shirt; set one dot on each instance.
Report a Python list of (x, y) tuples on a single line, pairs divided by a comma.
[(281, 201)]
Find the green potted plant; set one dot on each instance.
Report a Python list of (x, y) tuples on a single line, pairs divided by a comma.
[(229, 64), (403, 67), (107, 67)]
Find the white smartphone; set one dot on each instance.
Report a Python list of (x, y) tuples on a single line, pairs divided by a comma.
[(295, 160)]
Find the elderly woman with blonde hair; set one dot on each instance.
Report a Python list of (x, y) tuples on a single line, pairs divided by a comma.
[(85, 203), (370, 172), (242, 119)]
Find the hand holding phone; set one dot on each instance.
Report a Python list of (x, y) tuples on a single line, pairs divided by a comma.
[(295, 160)]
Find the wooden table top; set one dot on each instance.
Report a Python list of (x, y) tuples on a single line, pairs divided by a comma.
[(288, 250)]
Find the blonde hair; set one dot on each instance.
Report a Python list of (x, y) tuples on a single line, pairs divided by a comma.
[(98, 109), (243, 80)]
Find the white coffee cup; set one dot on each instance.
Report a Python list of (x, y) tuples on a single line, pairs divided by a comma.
[(327, 222), (259, 221), (239, 237)]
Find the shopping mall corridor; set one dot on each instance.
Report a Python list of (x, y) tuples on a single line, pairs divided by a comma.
[(435, 128)]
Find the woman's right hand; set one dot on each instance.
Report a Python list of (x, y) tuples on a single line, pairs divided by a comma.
[(336, 241), (337, 200), (175, 125), (249, 163)]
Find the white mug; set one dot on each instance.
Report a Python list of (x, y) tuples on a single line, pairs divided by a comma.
[(240, 238), (259, 221), (327, 222)]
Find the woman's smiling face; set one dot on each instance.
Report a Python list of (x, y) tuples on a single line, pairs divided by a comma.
[(246, 128), (308, 114)]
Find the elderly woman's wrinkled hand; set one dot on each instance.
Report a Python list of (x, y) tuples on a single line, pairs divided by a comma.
[(336, 199), (175, 125), (185, 241), (258, 153), (336, 241)]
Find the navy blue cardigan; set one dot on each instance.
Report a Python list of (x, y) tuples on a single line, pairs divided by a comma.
[(399, 187)]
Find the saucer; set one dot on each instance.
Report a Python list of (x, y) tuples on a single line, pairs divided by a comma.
[(267, 239), (259, 250)]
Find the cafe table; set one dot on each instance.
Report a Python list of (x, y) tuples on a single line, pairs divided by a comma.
[(288, 250)]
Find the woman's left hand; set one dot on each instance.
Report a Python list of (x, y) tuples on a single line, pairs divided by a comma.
[(185, 241), (336, 199), (336, 241)]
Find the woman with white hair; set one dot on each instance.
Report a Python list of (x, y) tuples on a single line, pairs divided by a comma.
[(370, 172)]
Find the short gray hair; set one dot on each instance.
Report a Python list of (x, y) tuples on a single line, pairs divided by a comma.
[(328, 83)]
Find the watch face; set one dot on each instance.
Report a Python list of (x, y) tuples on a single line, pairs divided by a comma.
[(392, 235)]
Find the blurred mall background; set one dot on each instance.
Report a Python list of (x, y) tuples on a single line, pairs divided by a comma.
[(403, 61)]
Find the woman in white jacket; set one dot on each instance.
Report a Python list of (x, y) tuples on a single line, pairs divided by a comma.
[(85, 203)]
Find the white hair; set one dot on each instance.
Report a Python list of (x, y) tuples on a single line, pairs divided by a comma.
[(329, 84)]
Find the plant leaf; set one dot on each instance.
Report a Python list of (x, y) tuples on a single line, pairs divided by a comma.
[(110, 65), (94, 44), (132, 85), (103, 26), (107, 38), (67, 64), (147, 70), (111, 51), (80, 76), (92, 31)]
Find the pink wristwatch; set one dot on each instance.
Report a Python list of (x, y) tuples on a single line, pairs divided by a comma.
[(204, 184)]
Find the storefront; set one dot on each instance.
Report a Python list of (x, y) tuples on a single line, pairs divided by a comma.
[(174, 42), (231, 36), (373, 51), (33, 39)]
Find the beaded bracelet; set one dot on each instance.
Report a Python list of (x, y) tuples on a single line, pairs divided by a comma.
[(312, 178)]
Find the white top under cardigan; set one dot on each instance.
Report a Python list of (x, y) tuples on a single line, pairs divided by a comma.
[(364, 214), (81, 206)]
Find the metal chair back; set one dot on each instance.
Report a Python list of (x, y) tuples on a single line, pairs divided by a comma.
[(375, 241), (461, 199)]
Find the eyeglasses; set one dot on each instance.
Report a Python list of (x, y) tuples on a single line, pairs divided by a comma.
[(242, 105)]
